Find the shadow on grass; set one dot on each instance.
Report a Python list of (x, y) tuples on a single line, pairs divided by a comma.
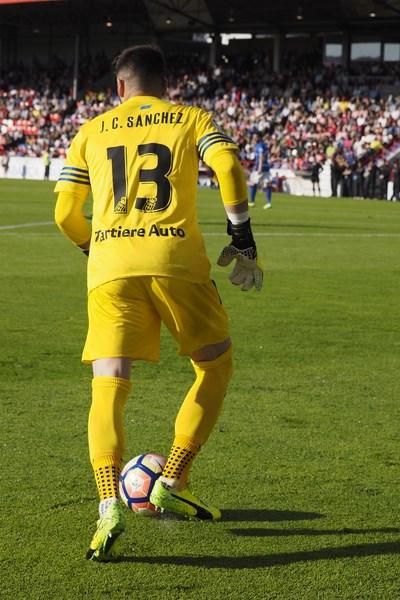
[(268, 515), (267, 560), (267, 532)]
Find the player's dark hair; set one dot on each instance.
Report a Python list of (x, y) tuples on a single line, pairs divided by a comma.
[(146, 63)]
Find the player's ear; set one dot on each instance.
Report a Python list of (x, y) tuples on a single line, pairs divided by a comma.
[(165, 86), (121, 88)]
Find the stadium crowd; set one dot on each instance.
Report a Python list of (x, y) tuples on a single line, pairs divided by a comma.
[(308, 114)]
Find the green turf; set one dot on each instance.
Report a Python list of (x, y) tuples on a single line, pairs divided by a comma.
[(304, 461)]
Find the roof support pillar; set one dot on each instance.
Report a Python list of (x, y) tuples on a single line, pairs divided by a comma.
[(76, 68), (214, 49), (346, 54), (277, 53)]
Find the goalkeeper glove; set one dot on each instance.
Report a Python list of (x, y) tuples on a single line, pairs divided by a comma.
[(247, 272)]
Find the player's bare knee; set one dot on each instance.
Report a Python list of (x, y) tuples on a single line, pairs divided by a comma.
[(212, 351), (112, 367), (219, 368)]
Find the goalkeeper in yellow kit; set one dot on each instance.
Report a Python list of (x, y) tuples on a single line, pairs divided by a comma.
[(146, 265)]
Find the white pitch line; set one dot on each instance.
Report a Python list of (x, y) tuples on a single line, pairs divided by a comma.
[(21, 225), (311, 234)]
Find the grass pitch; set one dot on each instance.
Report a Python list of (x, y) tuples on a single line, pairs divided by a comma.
[(304, 461)]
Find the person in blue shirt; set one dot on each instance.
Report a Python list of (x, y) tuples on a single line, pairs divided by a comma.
[(261, 172)]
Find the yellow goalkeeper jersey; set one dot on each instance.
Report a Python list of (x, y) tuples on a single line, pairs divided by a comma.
[(140, 160)]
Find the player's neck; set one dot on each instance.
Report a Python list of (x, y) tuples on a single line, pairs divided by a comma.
[(132, 93)]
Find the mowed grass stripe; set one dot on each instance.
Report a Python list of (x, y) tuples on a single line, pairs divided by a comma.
[(11, 228)]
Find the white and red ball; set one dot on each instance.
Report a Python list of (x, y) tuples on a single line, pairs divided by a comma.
[(137, 480)]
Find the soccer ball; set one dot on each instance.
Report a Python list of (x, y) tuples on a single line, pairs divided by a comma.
[(137, 480)]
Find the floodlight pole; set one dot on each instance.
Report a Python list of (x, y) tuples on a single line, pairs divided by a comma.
[(76, 68)]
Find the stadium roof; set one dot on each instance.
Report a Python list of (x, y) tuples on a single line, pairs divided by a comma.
[(256, 16)]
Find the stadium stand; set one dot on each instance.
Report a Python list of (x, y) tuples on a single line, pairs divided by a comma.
[(341, 114), (308, 116)]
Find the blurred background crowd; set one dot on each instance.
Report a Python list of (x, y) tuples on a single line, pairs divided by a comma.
[(308, 114)]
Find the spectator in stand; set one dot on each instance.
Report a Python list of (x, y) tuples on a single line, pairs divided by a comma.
[(383, 174), (338, 166), (370, 179), (357, 179), (47, 163), (316, 168), (5, 163), (307, 109), (347, 182), (396, 181)]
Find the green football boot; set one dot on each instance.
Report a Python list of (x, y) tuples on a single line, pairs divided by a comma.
[(109, 527), (182, 502)]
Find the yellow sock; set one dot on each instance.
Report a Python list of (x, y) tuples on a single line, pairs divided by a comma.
[(106, 476), (198, 414), (201, 407), (106, 432), (180, 458)]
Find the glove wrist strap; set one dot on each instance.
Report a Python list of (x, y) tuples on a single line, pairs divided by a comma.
[(242, 235)]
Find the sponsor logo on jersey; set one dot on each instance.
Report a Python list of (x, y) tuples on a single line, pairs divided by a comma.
[(102, 235), (122, 206)]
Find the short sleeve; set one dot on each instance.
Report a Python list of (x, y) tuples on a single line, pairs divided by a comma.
[(210, 138), (74, 175)]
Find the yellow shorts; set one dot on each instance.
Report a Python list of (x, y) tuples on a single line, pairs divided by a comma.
[(125, 317)]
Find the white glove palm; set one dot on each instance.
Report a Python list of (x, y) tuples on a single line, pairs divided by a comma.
[(247, 272)]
